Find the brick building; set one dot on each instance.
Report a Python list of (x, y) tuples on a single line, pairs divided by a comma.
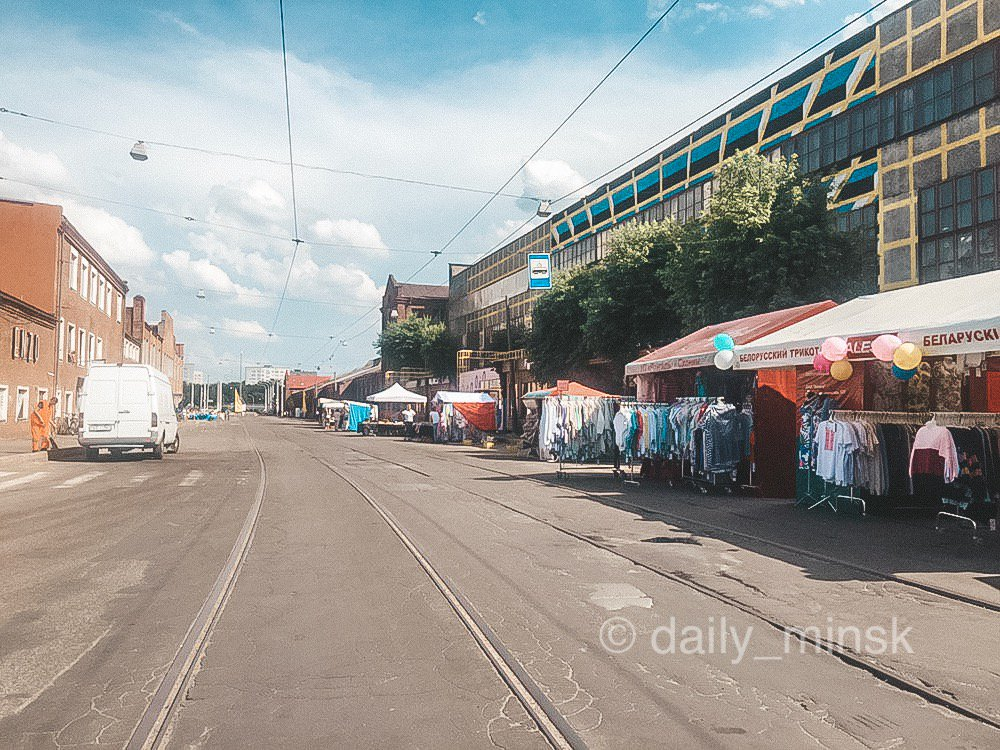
[(61, 307), (400, 301), (155, 344)]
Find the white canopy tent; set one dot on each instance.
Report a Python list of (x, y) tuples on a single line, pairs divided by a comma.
[(956, 316), (397, 394), (457, 397)]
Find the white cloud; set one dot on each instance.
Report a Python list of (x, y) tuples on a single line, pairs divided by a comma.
[(244, 329), (119, 243), (550, 178), (480, 17), (20, 163), (201, 272), (253, 203), (357, 234)]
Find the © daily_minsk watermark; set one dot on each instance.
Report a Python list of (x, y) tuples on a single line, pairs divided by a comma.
[(720, 636)]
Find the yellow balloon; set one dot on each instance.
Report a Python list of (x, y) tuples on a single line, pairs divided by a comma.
[(907, 356), (841, 370)]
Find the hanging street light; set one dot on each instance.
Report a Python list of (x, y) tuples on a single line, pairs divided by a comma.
[(200, 294), (139, 152), (544, 209), (211, 331)]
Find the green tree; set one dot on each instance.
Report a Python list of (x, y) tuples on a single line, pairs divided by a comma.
[(418, 343), (557, 342), (628, 307), (767, 241)]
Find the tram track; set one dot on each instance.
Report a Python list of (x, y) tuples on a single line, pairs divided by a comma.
[(846, 656), (153, 727)]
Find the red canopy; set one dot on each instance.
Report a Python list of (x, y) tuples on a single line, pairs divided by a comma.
[(481, 415), (697, 350)]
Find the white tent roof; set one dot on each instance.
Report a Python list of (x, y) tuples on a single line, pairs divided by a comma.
[(458, 397), (397, 394), (956, 316)]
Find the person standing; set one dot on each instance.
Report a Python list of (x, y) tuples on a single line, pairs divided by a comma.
[(39, 424), (408, 416)]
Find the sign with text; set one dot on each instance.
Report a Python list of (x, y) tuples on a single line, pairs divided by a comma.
[(539, 271)]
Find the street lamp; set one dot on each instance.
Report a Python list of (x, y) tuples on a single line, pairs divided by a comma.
[(139, 152), (200, 294), (211, 331), (544, 209)]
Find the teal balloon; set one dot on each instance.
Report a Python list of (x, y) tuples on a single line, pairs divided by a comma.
[(903, 374), (723, 342)]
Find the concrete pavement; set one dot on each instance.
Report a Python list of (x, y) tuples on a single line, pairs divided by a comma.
[(636, 629)]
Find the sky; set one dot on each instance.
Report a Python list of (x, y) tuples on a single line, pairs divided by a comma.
[(455, 93)]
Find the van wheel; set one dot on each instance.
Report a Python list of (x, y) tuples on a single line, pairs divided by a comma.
[(176, 445), (158, 449)]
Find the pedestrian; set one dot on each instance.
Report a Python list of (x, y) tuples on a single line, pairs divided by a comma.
[(39, 428), (408, 416), (435, 425), (51, 423)]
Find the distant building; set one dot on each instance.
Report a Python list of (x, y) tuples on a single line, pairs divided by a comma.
[(61, 308), (264, 374), (400, 301), (157, 344)]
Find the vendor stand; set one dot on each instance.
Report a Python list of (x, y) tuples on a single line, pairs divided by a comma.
[(887, 366), (464, 416), (679, 389), (390, 403)]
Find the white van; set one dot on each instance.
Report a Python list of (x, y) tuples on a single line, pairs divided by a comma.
[(127, 406)]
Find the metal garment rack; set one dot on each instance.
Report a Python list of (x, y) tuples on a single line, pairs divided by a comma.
[(942, 418)]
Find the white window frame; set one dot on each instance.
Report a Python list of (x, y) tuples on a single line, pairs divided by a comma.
[(84, 278), (93, 285), (74, 270), (100, 348), (4, 402), (43, 394), (71, 340), (25, 392), (120, 300), (91, 346), (81, 352), (68, 400), (62, 338)]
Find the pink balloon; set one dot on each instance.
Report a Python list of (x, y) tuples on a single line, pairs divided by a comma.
[(834, 349), (821, 363), (885, 346)]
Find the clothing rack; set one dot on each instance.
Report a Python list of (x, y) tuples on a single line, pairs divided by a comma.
[(943, 418)]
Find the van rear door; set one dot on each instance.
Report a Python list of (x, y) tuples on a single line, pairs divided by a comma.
[(100, 406), (135, 404)]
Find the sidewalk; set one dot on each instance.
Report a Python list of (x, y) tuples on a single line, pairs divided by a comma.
[(822, 543), (17, 451)]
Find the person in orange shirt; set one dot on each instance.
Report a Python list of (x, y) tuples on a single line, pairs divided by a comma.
[(39, 422)]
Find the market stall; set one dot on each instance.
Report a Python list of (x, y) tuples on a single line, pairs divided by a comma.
[(876, 376), (389, 404), (463, 416), (534, 401), (688, 393)]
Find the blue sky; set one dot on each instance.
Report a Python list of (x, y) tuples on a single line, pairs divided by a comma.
[(453, 92)]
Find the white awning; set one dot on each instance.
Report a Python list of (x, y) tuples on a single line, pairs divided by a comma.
[(397, 394), (459, 397), (956, 316)]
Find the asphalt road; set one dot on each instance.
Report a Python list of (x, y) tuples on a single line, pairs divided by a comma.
[(344, 626)]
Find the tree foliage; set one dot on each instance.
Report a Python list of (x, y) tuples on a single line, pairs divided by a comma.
[(767, 240), (418, 343)]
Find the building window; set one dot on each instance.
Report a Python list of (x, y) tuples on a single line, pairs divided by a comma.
[(43, 394), (22, 406), (118, 317), (82, 350), (958, 226), (100, 349), (93, 286), (4, 402), (71, 338), (84, 278), (62, 338), (68, 401), (74, 269), (92, 347)]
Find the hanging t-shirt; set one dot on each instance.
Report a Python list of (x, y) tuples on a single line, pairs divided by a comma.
[(826, 449), (621, 427)]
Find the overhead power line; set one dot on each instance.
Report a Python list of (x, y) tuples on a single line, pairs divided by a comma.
[(263, 159), (535, 153), (642, 154)]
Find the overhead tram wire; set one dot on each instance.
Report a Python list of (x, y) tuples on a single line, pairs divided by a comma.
[(543, 144), (207, 223), (263, 159), (296, 240), (719, 106)]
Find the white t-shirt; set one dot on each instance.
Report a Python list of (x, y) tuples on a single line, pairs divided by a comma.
[(408, 415), (620, 422)]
